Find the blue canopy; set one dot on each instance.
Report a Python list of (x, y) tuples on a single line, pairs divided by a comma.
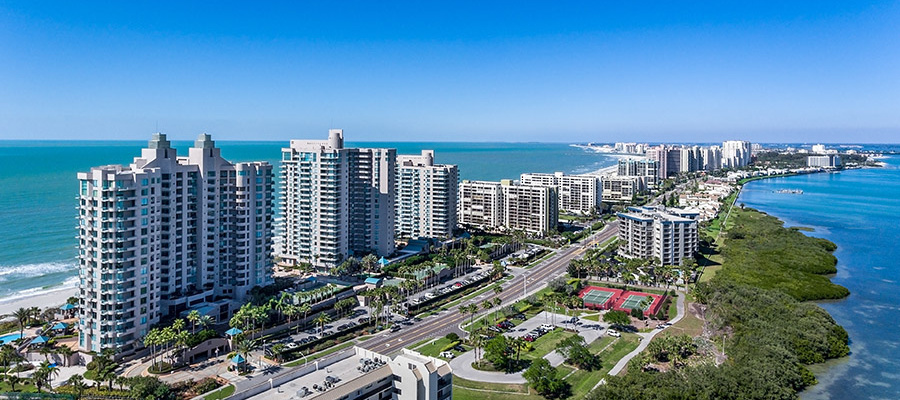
[(39, 339), (59, 326), (233, 331), (67, 307), (383, 261), (237, 359)]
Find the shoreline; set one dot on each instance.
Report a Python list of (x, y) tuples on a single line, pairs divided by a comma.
[(49, 298)]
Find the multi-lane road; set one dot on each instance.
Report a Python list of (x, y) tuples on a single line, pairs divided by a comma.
[(448, 321), (513, 290)]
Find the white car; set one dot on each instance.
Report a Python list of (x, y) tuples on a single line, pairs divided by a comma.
[(547, 327), (613, 333), (446, 354)]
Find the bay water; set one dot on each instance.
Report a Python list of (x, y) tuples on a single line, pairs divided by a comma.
[(859, 210)]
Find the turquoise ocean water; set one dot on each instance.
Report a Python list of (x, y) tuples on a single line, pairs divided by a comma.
[(38, 189), (859, 210)]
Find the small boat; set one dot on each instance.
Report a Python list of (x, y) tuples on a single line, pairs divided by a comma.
[(789, 191)]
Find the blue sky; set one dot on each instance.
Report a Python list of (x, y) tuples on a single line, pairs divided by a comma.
[(445, 71)]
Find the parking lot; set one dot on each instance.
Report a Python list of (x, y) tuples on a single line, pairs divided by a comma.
[(589, 330)]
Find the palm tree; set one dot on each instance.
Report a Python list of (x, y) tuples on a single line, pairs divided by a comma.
[(487, 305), (518, 344), (44, 375), (22, 315), (497, 302), (65, 352), (205, 321), (46, 350), (322, 319), (193, 317), (244, 348), (78, 385), (304, 308), (122, 381)]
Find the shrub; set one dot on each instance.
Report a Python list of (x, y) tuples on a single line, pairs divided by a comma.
[(452, 336)]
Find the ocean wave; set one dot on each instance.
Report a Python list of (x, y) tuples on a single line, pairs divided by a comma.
[(68, 284), (9, 272)]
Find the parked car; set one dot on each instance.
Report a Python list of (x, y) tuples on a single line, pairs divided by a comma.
[(528, 338), (613, 333), (446, 354)]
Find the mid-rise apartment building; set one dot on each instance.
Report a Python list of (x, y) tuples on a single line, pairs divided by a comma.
[(167, 234), (826, 161), (667, 235), (577, 193), (621, 189), (505, 205), (337, 202), (646, 169), (426, 200)]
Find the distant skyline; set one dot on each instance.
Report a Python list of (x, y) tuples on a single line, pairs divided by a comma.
[(763, 71)]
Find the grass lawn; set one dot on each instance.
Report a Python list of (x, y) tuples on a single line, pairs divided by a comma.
[(511, 388), (434, 348), (221, 394), (546, 344), (595, 317), (461, 393), (582, 382), (20, 388), (320, 354), (673, 307), (616, 351)]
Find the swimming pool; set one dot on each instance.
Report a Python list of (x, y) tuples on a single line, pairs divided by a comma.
[(8, 338)]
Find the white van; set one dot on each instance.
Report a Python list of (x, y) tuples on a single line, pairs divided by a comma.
[(613, 333)]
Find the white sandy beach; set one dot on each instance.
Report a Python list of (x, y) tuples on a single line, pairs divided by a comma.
[(50, 298)]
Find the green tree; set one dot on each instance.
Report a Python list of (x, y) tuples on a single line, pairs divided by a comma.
[(497, 352), (78, 385), (616, 317), (577, 353), (544, 379)]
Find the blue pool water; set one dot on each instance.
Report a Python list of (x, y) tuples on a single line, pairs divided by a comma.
[(9, 338)]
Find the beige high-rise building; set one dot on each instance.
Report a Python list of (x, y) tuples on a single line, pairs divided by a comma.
[(167, 234), (577, 193), (505, 205), (426, 200), (529, 208), (480, 204), (621, 189), (337, 202)]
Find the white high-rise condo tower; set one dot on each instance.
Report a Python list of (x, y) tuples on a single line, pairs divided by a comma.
[(337, 202), (167, 234), (426, 197)]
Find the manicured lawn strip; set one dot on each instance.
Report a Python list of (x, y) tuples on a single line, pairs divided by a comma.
[(582, 382), (688, 325), (546, 344), (461, 393), (433, 349), (600, 343), (320, 354), (500, 387), (221, 394)]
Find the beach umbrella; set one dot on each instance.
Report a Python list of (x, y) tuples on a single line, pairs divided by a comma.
[(39, 340), (233, 331), (60, 326), (383, 261), (67, 307), (238, 359)]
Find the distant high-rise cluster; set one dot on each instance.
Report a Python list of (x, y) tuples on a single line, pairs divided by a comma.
[(673, 160), (167, 233)]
